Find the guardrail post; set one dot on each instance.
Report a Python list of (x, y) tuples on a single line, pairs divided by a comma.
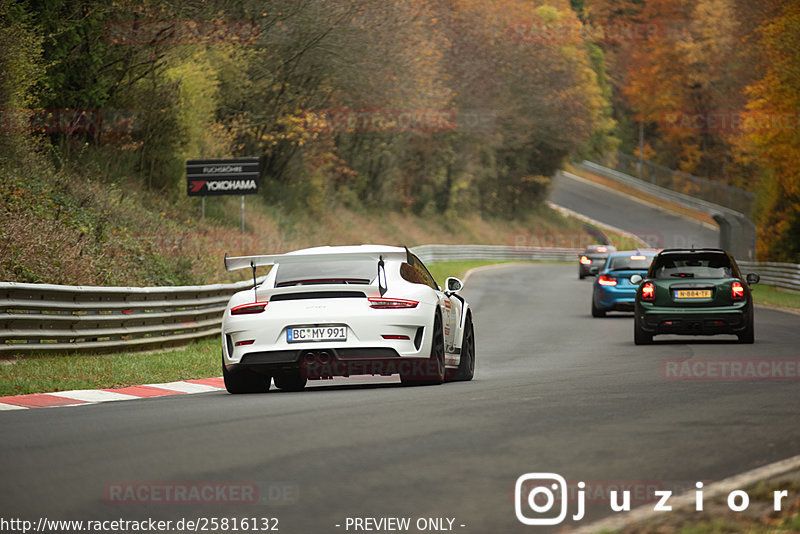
[(725, 231), (747, 238)]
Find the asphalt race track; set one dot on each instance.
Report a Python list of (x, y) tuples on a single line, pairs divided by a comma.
[(659, 228), (555, 391)]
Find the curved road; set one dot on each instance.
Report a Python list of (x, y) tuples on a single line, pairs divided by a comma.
[(658, 228), (555, 391)]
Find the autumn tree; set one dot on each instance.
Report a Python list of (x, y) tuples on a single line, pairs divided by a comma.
[(771, 139)]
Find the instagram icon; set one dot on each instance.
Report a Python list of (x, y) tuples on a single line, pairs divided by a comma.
[(537, 494)]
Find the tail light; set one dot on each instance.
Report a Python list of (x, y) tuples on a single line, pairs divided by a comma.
[(606, 280), (382, 303), (648, 291), (585, 261), (737, 291), (249, 308)]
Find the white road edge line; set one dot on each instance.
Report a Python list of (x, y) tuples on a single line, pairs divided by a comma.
[(594, 222), (92, 395), (512, 263), (12, 407), (185, 387), (725, 486)]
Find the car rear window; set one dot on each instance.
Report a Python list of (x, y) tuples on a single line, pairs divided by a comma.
[(414, 271), (332, 272), (633, 261), (693, 266)]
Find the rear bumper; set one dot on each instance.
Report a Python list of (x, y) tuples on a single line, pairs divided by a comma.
[(584, 270), (613, 299), (326, 363), (694, 321)]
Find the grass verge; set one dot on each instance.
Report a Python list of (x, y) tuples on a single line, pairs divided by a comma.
[(773, 297), (39, 373), (716, 517)]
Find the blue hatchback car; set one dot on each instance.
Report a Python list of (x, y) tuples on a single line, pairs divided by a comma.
[(613, 289)]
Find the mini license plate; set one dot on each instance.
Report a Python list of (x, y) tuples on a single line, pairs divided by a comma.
[(693, 294), (303, 334)]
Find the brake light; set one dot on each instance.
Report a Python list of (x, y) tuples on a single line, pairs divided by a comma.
[(639, 258), (737, 291), (382, 303), (585, 261), (606, 280), (602, 249), (249, 308), (648, 291)]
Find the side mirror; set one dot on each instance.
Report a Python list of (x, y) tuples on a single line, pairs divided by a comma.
[(636, 279), (593, 270), (752, 278), (453, 284)]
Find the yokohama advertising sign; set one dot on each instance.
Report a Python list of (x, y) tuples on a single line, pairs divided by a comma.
[(206, 177)]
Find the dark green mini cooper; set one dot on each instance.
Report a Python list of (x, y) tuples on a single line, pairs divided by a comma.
[(693, 292)]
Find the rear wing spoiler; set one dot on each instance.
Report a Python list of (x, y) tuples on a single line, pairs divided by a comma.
[(243, 262)]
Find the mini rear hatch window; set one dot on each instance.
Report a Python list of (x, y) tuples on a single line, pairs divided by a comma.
[(676, 266), (332, 272), (635, 261)]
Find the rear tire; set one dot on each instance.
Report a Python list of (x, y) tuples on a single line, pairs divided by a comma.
[(290, 381), (597, 312), (640, 337), (245, 381), (466, 366), (749, 334), (435, 367)]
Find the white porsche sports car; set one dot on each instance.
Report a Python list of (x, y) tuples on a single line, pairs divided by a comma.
[(342, 311)]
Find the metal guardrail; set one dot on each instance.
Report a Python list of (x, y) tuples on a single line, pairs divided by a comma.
[(785, 276), (726, 195), (438, 253), (53, 318)]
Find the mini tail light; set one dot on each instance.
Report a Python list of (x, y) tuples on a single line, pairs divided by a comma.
[(382, 303), (585, 261), (606, 280), (395, 336), (648, 291), (737, 291), (249, 308)]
